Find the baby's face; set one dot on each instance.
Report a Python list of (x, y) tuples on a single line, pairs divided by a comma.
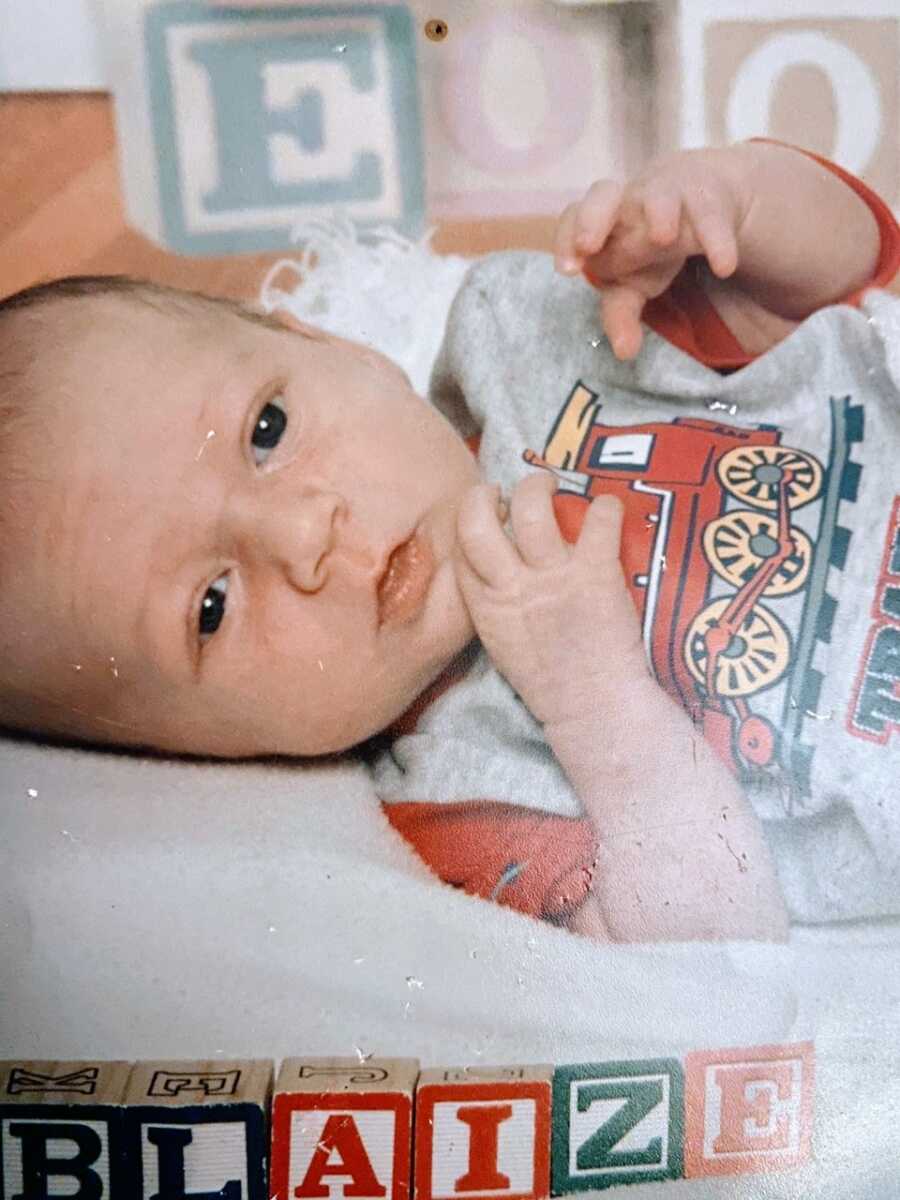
[(247, 537)]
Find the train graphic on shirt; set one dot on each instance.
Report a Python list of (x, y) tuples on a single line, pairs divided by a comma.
[(712, 549)]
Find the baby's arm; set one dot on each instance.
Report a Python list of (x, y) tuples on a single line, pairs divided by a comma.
[(681, 854), (778, 236)]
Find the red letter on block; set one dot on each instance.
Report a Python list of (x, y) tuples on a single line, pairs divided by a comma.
[(342, 1129), (341, 1135), (482, 1175), (483, 1133), (748, 1110)]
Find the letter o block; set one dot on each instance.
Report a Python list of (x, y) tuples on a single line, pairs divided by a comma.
[(818, 73), (483, 1132), (60, 1129), (341, 1126)]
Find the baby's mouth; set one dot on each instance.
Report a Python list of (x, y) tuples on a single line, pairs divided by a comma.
[(404, 583)]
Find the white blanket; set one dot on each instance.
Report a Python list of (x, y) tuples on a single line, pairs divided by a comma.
[(152, 908)]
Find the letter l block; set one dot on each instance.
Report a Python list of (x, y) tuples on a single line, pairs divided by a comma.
[(197, 1130)]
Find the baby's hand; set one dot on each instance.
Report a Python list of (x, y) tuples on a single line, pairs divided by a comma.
[(631, 240), (556, 619)]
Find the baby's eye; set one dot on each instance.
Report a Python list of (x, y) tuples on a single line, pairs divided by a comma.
[(268, 430), (212, 607)]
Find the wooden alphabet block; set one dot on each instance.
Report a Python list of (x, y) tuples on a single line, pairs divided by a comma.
[(198, 1129), (483, 1132), (341, 1123), (817, 73), (616, 1123), (236, 125), (748, 1110), (61, 1129)]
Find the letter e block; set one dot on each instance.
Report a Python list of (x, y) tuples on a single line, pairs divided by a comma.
[(60, 1129), (617, 1122), (483, 1132), (343, 1127), (748, 1110), (198, 1129)]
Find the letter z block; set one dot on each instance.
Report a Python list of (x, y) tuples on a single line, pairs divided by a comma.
[(198, 1129), (61, 1129), (483, 1132), (617, 1122), (748, 1110), (343, 1127)]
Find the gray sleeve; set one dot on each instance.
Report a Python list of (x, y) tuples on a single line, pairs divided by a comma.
[(828, 868), (491, 324)]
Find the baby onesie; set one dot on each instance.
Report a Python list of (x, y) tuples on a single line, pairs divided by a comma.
[(762, 548)]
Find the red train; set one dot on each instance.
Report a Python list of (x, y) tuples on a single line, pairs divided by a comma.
[(702, 500)]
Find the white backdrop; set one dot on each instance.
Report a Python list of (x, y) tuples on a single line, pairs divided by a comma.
[(50, 45)]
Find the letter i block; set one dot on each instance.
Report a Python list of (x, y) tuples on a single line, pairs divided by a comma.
[(483, 1132), (748, 1110), (60, 1129), (343, 1127), (617, 1122), (197, 1129)]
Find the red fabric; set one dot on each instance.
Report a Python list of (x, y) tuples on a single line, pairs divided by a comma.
[(685, 317), (534, 862)]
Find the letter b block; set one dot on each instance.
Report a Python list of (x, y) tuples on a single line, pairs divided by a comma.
[(60, 1129), (197, 1130), (483, 1132), (341, 1127)]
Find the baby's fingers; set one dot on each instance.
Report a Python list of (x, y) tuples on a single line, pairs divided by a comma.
[(486, 549), (596, 215), (534, 523), (621, 307), (584, 227), (662, 210), (601, 533), (714, 230)]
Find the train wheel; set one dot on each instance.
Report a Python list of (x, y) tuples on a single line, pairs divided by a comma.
[(754, 475), (756, 656), (756, 741), (740, 543)]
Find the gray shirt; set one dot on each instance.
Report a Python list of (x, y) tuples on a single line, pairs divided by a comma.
[(763, 506)]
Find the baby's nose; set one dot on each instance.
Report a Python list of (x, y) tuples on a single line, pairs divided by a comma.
[(301, 535)]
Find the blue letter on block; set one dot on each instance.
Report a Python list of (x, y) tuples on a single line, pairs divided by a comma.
[(38, 1167), (245, 125), (265, 118), (170, 1144)]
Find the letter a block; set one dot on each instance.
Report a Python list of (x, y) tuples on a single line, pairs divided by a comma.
[(343, 1127), (60, 1129), (748, 1110), (197, 1129), (483, 1132), (617, 1122)]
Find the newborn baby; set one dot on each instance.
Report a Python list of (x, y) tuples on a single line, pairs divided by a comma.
[(231, 535)]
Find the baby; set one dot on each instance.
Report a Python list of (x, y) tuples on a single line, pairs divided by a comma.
[(233, 535)]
